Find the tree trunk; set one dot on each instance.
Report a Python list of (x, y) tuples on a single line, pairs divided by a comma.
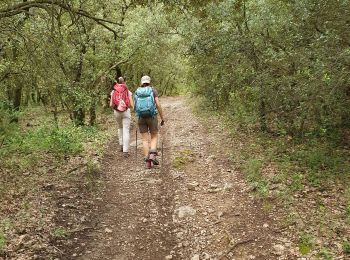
[(78, 111), (262, 108), (79, 116), (92, 111), (17, 93)]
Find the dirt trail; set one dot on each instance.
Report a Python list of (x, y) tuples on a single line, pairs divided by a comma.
[(196, 206)]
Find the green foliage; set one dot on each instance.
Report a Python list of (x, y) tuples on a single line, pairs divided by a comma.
[(185, 156), (91, 174), (297, 182), (316, 161), (346, 246), (59, 232), (2, 240), (305, 243), (271, 68), (23, 149), (252, 169), (152, 35), (325, 254), (53, 140), (5, 224), (347, 212)]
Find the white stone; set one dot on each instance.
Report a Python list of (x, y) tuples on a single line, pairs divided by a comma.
[(278, 249), (228, 186), (107, 230), (185, 211), (192, 185), (195, 257)]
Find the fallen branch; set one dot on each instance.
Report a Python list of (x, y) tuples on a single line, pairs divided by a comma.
[(234, 246), (76, 168)]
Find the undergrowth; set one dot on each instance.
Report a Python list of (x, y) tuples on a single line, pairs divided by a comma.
[(39, 158), (284, 167)]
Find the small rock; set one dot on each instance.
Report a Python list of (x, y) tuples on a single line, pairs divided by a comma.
[(220, 214), (265, 225), (107, 230), (205, 256), (195, 257), (278, 249), (228, 186), (185, 211), (168, 257), (192, 185), (214, 186), (214, 190), (211, 157)]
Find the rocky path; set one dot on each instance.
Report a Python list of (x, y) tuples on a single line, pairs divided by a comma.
[(195, 206)]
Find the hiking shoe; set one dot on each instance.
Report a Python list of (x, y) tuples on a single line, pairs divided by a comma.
[(148, 164), (155, 161), (126, 154), (153, 158)]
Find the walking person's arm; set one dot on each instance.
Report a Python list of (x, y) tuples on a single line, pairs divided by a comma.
[(131, 101), (160, 110), (110, 100)]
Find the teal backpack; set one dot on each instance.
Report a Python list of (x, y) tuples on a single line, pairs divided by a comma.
[(145, 105)]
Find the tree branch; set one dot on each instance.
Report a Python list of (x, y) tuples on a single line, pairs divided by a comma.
[(25, 6), (105, 73)]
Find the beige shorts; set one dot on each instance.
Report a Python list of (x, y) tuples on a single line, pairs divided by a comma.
[(148, 124)]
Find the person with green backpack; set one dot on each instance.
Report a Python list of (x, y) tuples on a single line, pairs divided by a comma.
[(147, 108)]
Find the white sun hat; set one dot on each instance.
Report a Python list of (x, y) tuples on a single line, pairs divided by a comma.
[(145, 79)]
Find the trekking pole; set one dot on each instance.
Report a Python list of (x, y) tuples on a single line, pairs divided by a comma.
[(162, 145), (162, 151), (136, 146)]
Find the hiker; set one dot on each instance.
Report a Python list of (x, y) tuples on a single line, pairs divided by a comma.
[(147, 107), (121, 101)]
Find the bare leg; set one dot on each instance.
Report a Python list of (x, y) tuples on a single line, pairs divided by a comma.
[(145, 145), (154, 138)]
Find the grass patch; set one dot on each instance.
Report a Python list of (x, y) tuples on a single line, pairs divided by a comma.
[(324, 254), (295, 171), (346, 246), (252, 169), (5, 225), (22, 150), (186, 156), (2, 240), (43, 165), (59, 232), (305, 243)]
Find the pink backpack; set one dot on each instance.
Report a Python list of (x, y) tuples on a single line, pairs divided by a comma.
[(120, 97)]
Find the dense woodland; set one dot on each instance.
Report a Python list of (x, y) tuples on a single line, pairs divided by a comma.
[(276, 68), (281, 64)]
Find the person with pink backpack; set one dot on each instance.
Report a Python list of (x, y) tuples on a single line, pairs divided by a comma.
[(121, 101)]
